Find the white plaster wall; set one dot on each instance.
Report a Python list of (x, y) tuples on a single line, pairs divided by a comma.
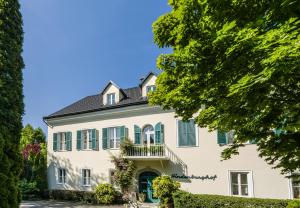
[(112, 89), (150, 81), (201, 160)]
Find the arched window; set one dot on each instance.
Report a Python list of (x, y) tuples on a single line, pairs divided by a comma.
[(148, 135)]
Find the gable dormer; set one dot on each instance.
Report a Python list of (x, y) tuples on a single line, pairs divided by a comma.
[(112, 94), (148, 84)]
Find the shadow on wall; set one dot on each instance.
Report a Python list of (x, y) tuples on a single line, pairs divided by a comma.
[(73, 175), (177, 168)]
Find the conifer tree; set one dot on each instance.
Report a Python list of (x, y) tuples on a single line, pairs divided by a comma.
[(11, 101)]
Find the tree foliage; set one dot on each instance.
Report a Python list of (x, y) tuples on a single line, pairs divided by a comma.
[(30, 135), (236, 65), (164, 187), (34, 152), (11, 101)]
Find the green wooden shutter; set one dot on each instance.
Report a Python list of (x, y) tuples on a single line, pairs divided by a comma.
[(162, 134), (137, 134), (122, 133), (159, 133), (78, 140), (69, 141), (181, 133), (94, 139), (222, 137), (104, 138), (191, 133), (55, 142)]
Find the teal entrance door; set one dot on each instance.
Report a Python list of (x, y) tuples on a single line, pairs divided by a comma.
[(145, 186)]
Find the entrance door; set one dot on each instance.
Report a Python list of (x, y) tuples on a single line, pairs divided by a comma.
[(148, 135), (145, 186)]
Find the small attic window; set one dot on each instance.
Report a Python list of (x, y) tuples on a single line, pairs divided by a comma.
[(111, 98), (150, 88)]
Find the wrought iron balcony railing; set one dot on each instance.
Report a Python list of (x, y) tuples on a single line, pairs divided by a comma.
[(146, 151)]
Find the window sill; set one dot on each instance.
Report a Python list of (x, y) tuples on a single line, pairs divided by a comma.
[(246, 144), (187, 146), (86, 185), (62, 150), (241, 196)]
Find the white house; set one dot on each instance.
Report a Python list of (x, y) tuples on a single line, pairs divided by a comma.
[(83, 135)]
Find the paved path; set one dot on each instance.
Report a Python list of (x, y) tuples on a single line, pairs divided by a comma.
[(58, 204)]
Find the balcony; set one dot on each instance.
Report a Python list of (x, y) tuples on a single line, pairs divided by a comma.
[(152, 152), (159, 152)]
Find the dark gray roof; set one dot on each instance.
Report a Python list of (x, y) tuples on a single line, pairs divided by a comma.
[(94, 103)]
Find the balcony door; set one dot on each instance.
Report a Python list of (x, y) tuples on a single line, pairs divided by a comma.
[(148, 135)]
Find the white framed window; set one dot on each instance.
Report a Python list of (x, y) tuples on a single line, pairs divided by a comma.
[(86, 136), (111, 98), (61, 141), (61, 175), (241, 183), (86, 177), (150, 88), (114, 137), (295, 186)]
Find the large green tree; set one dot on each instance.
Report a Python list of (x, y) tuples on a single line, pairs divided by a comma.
[(236, 64), (11, 101)]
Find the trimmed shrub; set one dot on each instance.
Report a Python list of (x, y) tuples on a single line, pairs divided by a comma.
[(294, 204), (105, 193), (86, 197), (72, 195), (185, 199), (164, 187)]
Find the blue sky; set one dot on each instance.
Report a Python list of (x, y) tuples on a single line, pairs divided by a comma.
[(72, 48)]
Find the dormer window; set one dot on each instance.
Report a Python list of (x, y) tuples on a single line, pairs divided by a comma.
[(150, 88), (148, 84), (111, 98)]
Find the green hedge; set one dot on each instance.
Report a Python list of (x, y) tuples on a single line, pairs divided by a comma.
[(86, 197), (72, 195), (185, 199)]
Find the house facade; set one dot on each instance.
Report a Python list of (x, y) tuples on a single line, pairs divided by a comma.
[(83, 136)]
